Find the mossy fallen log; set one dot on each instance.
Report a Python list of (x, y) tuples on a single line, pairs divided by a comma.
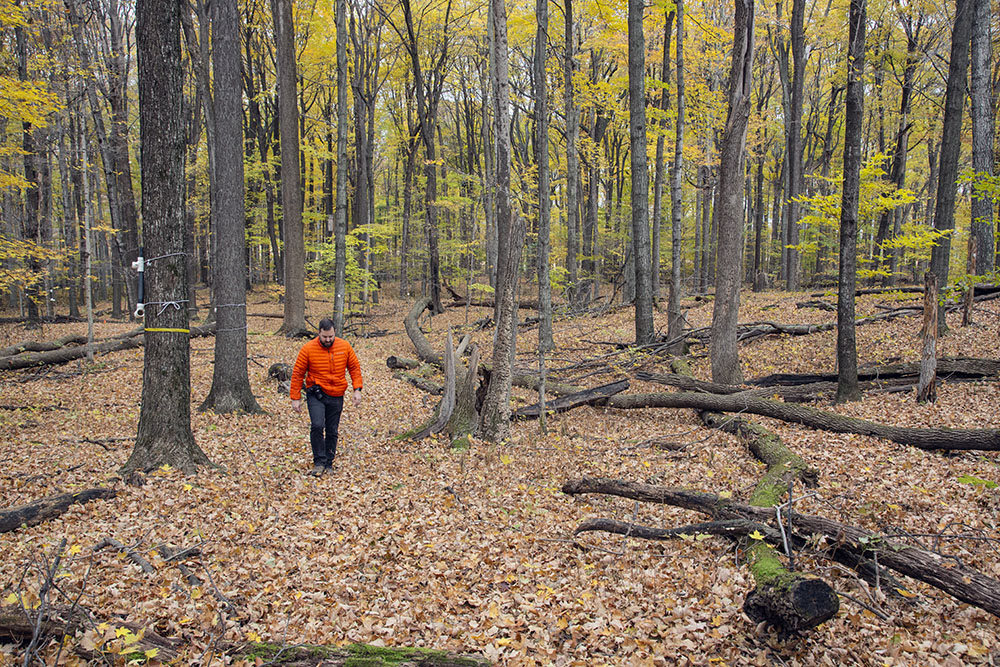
[(941, 571)]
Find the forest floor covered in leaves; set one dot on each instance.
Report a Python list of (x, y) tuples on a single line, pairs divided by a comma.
[(411, 544)]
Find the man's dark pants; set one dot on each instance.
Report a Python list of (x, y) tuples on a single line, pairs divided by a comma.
[(324, 414)]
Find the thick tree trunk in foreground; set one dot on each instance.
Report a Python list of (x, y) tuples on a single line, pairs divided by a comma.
[(847, 348), (230, 390), (164, 435), (340, 216), (962, 582), (725, 312), (644, 330), (37, 511), (494, 420)]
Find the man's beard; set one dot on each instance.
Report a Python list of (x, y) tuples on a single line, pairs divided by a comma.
[(326, 345)]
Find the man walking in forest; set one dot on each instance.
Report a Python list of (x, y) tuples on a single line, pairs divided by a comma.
[(323, 363)]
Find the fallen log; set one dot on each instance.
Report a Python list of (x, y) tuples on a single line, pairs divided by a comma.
[(782, 597), (947, 574), (980, 290), (63, 355), (37, 511), (817, 304), (42, 346), (986, 439), (402, 363), (570, 401), (948, 368), (814, 391), (423, 384)]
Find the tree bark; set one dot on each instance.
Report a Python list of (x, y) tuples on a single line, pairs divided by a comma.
[(494, 420), (982, 135), (847, 348), (725, 354), (951, 145), (230, 390), (545, 343), (294, 323), (164, 434), (794, 130), (644, 330), (659, 167), (927, 386), (340, 217), (572, 113), (675, 320)]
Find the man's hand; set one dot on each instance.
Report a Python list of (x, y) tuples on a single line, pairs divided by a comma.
[(297, 405), (357, 399)]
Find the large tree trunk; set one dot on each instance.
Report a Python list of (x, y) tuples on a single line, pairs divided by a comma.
[(164, 434), (572, 159), (544, 194), (294, 323), (982, 135), (659, 176), (340, 221), (644, 330), (951, 146), (230, 390), (725, 355), (494, 421), (794, 129), (847, 349), (675, 321)]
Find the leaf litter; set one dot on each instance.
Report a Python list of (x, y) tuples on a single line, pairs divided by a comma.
[(410, 544)]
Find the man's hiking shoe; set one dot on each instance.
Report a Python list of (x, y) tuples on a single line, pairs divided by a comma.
[(327, 471), (316, 471)]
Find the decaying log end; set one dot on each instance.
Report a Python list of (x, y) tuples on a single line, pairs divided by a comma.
[(793, 606)]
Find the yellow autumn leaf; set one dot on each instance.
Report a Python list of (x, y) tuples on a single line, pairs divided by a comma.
[(102, 627), (75, 549), (504, 459), (196, 593), (756, 535), (253, 636), (905, 593), (151, 652), (11, 599), (562, 623), (188, 487), (726, 494), (122, 632)]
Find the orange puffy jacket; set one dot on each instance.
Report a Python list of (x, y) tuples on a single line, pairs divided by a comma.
[(325, 367)]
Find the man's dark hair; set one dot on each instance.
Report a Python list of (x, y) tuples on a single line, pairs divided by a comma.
[(325, 324)]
